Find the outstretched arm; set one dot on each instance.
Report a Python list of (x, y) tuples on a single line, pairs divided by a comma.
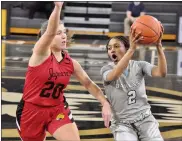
[(42, 45), (84, 79), (161, 69)]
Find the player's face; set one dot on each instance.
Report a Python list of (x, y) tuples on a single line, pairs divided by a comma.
[(116, 50), (60, 39)]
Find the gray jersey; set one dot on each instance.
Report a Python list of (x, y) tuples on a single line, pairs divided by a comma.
[(127, 94)]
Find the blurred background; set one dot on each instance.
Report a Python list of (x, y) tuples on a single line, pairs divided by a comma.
[(91, 24)]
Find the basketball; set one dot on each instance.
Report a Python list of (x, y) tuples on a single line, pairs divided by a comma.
[(149, 27)]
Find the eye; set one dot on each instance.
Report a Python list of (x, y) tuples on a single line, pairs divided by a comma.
[(59, 32), (109, 48), (116, 46)]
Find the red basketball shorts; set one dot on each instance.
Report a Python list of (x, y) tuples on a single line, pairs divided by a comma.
[(33, 121)]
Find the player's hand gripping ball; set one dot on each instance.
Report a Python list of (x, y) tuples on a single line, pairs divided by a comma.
[(149, 27)]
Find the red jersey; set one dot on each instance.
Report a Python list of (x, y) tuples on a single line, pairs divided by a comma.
[(44, 83)]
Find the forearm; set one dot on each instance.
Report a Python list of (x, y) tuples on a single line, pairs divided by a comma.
[(123, 63), (162, 64), (97, 93), (54, 19), (128, 14), (106, 108)]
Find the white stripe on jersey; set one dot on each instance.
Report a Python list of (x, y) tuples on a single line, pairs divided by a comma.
[(17, 124), (70, 116)]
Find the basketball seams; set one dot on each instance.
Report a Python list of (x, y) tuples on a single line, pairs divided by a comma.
[(151, 41), (148, 27), (148, 36)]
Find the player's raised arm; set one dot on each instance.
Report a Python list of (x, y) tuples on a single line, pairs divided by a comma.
[(161, 69), (123, 63), (43, 44)]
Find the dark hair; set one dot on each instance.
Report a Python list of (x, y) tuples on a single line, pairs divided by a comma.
[(122, 39)]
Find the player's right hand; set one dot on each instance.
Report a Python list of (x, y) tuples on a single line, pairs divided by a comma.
[(135, 38), (59, 4)]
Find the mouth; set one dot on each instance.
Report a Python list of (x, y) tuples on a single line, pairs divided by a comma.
[(63, 42), (114, 57)]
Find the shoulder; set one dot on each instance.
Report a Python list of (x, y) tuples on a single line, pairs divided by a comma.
[(133, 63), (130, 5), (67, 58), (107, 67), (76, 65), (74, 61), (68, 62), (136, 64), (142, 64), (141, 4)]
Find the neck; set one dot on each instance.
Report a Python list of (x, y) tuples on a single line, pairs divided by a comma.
[(58, 54), (115, 62), (136, 3)]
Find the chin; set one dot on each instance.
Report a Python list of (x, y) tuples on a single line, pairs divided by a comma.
[(63, 47)]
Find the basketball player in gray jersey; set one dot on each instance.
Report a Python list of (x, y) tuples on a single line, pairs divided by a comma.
[(125, 89)]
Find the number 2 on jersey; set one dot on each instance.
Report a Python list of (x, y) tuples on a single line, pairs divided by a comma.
[(54, 94), (131, 97)]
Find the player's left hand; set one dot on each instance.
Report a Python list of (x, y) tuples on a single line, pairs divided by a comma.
[(106, 113), (158, 43)]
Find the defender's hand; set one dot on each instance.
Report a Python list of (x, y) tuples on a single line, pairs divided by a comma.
[(59, 4), (106, 113)]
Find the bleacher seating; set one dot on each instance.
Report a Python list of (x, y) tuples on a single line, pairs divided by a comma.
[(87, 16), (166, 12), (96, 17)]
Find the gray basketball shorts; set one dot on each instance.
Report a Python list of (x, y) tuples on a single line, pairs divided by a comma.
[(145, 130)]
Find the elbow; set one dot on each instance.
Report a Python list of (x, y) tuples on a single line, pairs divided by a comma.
[(159, 72), (115, 77), (87, 83), (164, 74)]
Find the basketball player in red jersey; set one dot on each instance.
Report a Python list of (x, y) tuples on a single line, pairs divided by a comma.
[(43, 106)]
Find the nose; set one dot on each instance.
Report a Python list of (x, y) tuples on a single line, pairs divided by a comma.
[(112, 50), (64, 36)]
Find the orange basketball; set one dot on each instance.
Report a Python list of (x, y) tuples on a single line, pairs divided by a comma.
[(149, 27)]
